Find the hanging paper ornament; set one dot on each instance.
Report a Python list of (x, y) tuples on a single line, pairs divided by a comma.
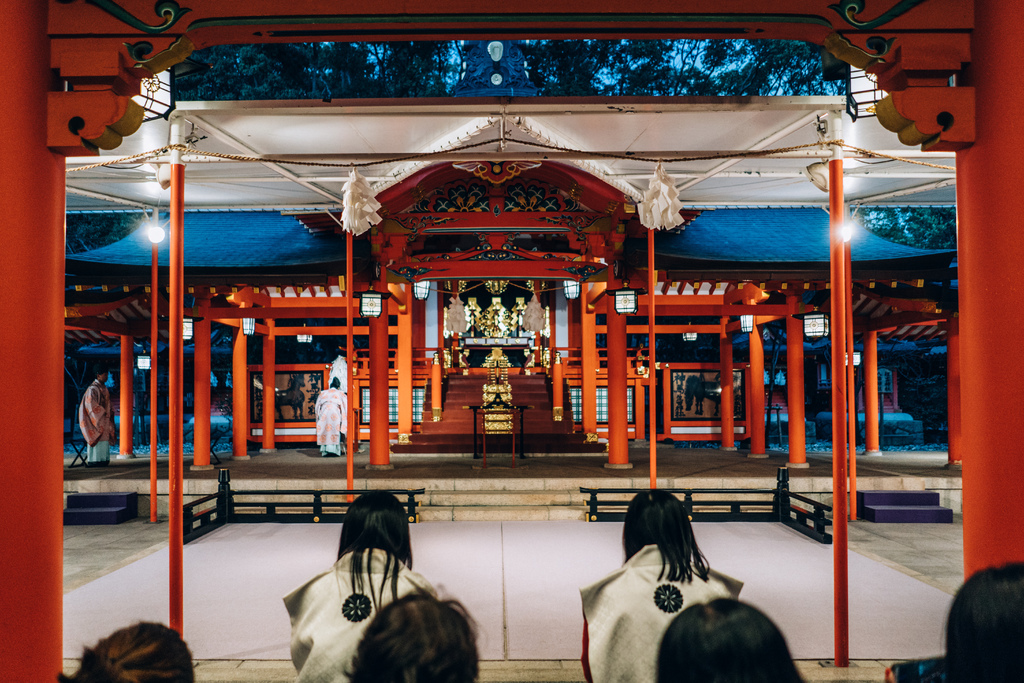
[(533, 316), (360, 205), (457, 316), (660, 207)]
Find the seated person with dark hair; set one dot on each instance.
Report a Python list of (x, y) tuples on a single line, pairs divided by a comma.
[(418, 639), (142, 653)]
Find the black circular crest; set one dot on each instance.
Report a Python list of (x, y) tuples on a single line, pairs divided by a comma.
[(668, 598), (357, 607)]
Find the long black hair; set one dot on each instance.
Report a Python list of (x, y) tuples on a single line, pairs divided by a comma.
[(724, 641), (659, 518), (986, 627), (376, 521)]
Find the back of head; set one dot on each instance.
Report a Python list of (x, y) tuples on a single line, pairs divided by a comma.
[(143, 653), (724, 641), (99, 368), (659, 518), (417, 639), (376, 520), (335, 383), (986, 628)]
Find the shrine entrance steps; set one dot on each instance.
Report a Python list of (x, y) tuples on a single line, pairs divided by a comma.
[(453, 434)]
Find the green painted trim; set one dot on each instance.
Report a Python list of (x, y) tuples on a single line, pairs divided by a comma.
[(168, 9), (848, 9), (577, 19)]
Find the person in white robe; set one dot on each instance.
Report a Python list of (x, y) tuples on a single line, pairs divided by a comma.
[(627, 612), (330, 612)]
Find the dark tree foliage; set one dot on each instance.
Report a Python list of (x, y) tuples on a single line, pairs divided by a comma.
[(86, 231), (558, 68), (926, 227)]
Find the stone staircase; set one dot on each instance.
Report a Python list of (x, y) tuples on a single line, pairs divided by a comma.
[(100, 508), (453, 434)]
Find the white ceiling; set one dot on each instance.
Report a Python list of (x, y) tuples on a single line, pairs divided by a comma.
[(358, 131)]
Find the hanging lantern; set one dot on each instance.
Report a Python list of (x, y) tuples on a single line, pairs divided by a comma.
[(304, 338), (421, 289), (746, 323), (571, 288), (248, 326), (186, 328), (626, 301), (371, 304), (689, 336), (143, 362), (815, 325), (856, 359)]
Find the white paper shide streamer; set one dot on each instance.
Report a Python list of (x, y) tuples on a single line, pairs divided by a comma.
[(660, 207), (533, 316), (457, 316), (360, 205)]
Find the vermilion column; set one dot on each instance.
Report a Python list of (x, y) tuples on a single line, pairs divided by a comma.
[(239, 396), (201, 392), (269, 388), (795, 390), (154, 382), (435, 387), (176, 393), (953, 420), (350, 357), (755, 421), (556, 388), (380, 434), (840, 560), (618, 439), (727, 409), (588, 395), (127, 403), (990, 251), (870, 361), (404, 363), (32, 362)]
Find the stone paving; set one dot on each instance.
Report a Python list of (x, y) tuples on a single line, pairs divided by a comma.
[(929, 552)]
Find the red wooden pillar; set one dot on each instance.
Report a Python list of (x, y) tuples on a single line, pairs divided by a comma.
[(990, 251), (953, 390), (618, 439), (380, 434), (590, 363), (154, 381), (32, 362), (403, 362), (652, 377), (727, 409), (239, 396), (352, 437), (851, 387), (755, 421), (127, 402), (435, 387), (840, 561), (201, 391), (871, 442), (269, 388), (557, 400), (795, 389), (175, 401)]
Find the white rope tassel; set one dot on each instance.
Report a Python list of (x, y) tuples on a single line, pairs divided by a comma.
[(457, 316), (660, 208), (360, 205), (533, 316)]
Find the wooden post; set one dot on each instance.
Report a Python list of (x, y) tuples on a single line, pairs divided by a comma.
[(618, 439), (871, 442), (795, 389), (756, 419), (201, 391), (953, 420), (269, 388), (727, 406), (127, 397), (154, 382), (239, 396), (175, 400)]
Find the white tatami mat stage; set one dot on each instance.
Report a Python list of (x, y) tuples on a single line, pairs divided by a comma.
[(519, 580)]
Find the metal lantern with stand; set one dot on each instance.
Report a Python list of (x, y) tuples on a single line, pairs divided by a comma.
[(627, 301)]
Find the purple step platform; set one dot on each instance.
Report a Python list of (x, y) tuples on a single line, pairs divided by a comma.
[(902, 507), (907, 514), (100, 508)]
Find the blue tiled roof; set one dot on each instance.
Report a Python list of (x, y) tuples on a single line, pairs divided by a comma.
[(224, 241), (780, 235)]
